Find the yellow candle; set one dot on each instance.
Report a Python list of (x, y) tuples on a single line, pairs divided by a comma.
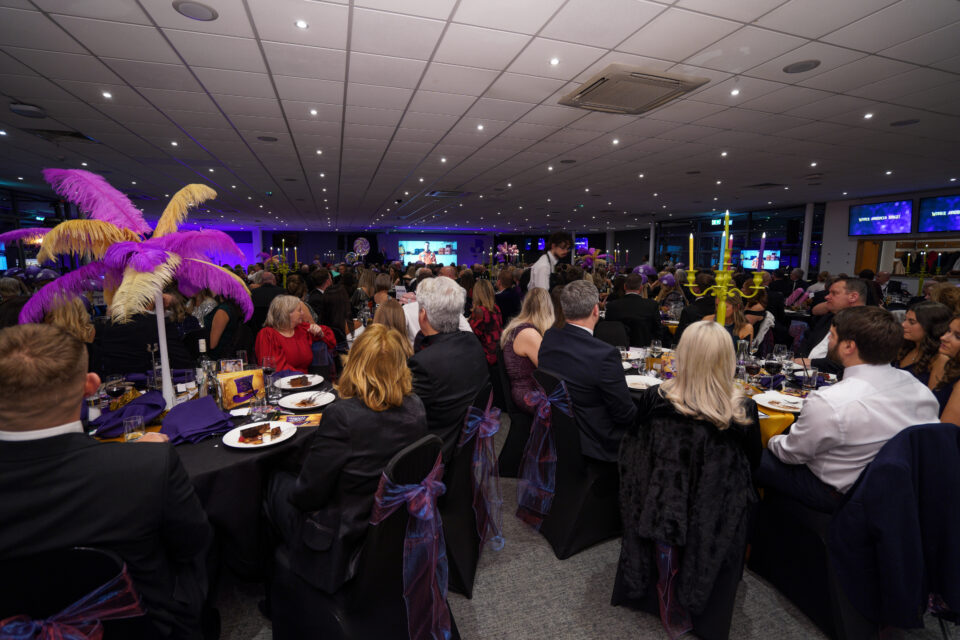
[(691, 252), (295, 256)]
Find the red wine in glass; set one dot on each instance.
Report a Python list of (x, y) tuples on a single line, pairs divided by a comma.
[(773, 367), (115, 390), (752, 367)]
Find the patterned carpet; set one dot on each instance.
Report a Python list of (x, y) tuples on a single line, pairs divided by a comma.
[(524, 593)]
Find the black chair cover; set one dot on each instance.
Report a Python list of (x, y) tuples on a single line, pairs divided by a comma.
[(508, 461), (613, 332)]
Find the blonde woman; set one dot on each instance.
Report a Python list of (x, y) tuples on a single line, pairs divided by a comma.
[(521, 343), (73, 318), (390, 314), (323, 513), (704, 390)]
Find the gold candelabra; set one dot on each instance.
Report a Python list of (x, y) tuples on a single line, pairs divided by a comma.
[(724, 276)]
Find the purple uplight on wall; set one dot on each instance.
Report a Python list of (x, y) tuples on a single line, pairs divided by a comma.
[(881, 218)]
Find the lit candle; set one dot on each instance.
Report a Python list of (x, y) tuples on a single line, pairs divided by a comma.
[(763, 242), (908, 262), (691, 251), (723, 248), (295, 256)]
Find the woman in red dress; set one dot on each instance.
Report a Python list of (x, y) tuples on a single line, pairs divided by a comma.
[(288, 336)]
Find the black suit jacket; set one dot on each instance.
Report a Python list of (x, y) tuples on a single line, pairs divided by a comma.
[(694, 312), (510, 303), (776, 305), (640, 315), (262, 296), (314, 298), (816, 333), (328, 508), (448, 373), (133, 499), (123, 347), (598, 390)]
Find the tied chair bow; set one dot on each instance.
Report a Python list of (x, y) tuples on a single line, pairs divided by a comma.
[(538, 467), (424, 552), (487, 501), (81, 620)]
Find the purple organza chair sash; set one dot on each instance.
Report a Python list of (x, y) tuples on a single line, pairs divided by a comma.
[(676, 621), (424, 552), (80, 621), (487, 501), (538, 467)]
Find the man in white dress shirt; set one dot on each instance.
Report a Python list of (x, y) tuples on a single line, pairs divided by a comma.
[(841, 428), (558, 247)]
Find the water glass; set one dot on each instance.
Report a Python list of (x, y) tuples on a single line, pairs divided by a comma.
[(656, 348), (743, 350), (809, 378), (779, 350), (242, 356), (624, 353), (273, 391), (133, 428), (259, 408)]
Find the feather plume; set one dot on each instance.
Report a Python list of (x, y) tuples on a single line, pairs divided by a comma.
[(195, 275), (93, 194), (210, 244), (140, 256), (135, 294), (80, 236), (20, 235), (176, 211), (60, 291)]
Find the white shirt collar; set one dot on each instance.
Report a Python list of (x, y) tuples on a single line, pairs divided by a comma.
[(39, 434), (580, 326), (552, 259)]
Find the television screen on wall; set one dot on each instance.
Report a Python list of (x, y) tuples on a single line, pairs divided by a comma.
[(881, 218), (429, 251), (939, 214), (750, 259)]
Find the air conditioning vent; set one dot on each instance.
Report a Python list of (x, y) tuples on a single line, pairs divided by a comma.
[(57, 135), (630, 90), (764, 185), (447, 194)]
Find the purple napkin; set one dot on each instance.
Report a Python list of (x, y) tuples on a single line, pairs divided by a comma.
[(110, 423), (178, 376), (768, 382), (195, 420)]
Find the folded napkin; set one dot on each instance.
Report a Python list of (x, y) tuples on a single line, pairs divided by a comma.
[(178, 376), (195, 420), (110, 424), (770, 382)]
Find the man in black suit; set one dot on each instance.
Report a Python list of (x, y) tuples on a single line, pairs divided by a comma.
[(640, 315), (843, 294), (593, 372), (450, 368), (319, 281), (508, 298), (122, 348), (61, 488), (262, 296), (703, 305)]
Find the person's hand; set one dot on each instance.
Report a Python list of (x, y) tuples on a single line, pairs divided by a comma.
[(315, 329), (803, 362), (153, 437)]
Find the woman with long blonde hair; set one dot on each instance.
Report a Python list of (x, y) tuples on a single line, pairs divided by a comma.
[(332, 497), (521, 344)]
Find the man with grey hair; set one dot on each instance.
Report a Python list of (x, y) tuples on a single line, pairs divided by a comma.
[(592, 371), (450, 368)]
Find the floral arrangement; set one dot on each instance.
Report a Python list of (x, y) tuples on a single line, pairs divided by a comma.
[(589, 256), (507, 252)]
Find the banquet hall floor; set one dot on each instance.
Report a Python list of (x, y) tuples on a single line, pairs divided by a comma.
[(524, 593)]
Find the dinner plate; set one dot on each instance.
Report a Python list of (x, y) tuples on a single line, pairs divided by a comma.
[(232, 438), (642, 382), (779, 402), (284, 383), (291, 401)]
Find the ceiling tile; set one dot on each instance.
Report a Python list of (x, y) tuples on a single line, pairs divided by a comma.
[(950, 64), (387, 71), (749, 88), (119, 40), (521, 88), (815, 18), (443, 103), (857, 73), (476, 47), (573, 59), (309, 89), (498, 109), (153, 75), (368, 115), (34, 30), (744, 49), (366, 95), (905, 84), (254, 85), (301, 110), (439, 9), (117, 10), (394, 34), (742, 10), (684, 110), (305, 62), (659, 38), (579, 21), (785, 99), (830, 107), (428, 121), (231, 21), (66, 66), (31, 87), (327, 23), (551, 115), (185, 100), (447, 78), (92, 93), (897, 23), (523, 16), (927, 49), (217, 52)]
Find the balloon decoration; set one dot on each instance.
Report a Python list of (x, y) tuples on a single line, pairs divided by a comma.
[(350, 258), (588, 256), (361, 246)]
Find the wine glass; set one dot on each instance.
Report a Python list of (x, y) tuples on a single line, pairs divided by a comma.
[(115, 386), (773, 366), (269, 365), (656, 348), (752, 367), (779, 351)]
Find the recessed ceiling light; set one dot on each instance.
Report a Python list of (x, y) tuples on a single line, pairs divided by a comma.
[(406, 193), (723, 154), (133, 182), (550, 168), (802, 66), (509, 184), (786, 188), (174, 144), (655, 194), (616, 141), (21, 178), (195, 10), (301, 24), (107, 94), (319, 152), (813, 164), (640, 175), (844, 193), (867, 116), (323, 175), (719, 181), (313, 112), (233, 186), (210, 170), (443, 159), (83, 164), (2, 132), (735, 92), (953, 179), (889, 173), (554, 61)]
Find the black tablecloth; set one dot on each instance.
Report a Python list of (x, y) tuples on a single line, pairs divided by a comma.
[(230, 484)]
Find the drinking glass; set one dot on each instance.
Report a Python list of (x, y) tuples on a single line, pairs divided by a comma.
[(809, 378), (752, 367), (656, 348), (133, 428), (779, 351), (259, 408), (743, 350), (787, 355), (624, 353), (273, 391), (115, 386), (773, 366), (242, 356), (269, 366)]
